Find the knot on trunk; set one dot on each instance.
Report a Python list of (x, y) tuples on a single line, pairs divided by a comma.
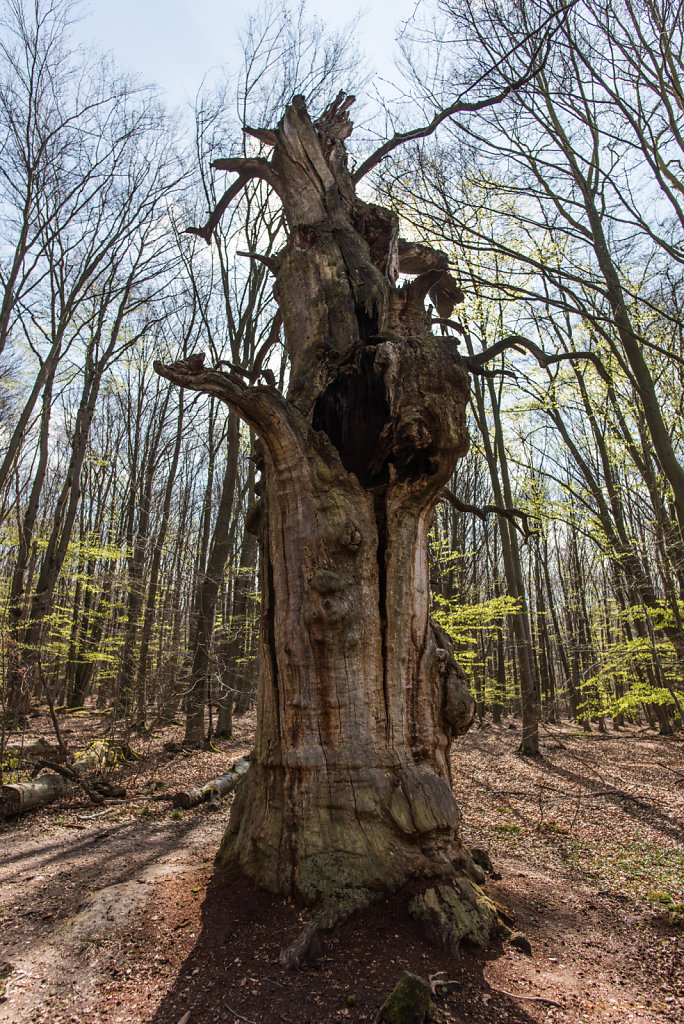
[(459, 704)]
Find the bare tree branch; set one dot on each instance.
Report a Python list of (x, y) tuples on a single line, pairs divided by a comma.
[(519, 343), (479, 371), (268, 261), (265, 135), (464, 106), (512, 514), (224, 202), (247, 166), (453, 324)]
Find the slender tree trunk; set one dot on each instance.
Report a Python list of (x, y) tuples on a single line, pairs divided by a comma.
[(150, 608), (236, 677), (136, 567), (65, 514), (17, 682), (496, 460), (210, 584)]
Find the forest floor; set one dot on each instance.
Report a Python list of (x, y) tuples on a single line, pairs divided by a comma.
[(116, 914)]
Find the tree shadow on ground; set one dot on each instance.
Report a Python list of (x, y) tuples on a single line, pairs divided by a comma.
[(54, 878), (232, 973), (581, 773), (635, 807)]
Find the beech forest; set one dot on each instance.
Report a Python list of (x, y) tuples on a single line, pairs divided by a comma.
[(531, 156)]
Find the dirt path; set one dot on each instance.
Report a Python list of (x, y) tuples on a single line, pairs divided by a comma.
[(119, 916), (71, 896)]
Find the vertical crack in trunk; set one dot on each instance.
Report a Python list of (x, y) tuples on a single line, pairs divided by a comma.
[(353, 412), (380, 511), (270, 644)]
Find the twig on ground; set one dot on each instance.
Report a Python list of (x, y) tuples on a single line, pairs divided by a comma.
[(236, 1014), (531, 999)]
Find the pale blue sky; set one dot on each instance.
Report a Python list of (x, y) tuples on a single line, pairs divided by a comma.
[(174, 43)]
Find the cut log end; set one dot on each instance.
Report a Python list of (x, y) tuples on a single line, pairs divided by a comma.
[(17, 798)]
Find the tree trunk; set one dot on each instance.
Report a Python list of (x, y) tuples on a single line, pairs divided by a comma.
[(235, 672), (207, 595), (151, 606), (496, 458), (348, 788), (17, 701)]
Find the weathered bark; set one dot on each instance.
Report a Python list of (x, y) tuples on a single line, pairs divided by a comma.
[(359, 696)]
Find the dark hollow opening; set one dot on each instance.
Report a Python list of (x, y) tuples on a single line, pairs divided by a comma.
[(353, 411)]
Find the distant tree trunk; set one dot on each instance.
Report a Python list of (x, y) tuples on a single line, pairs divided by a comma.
[(235, 675), (17, 682), (136, 565), (207, 595), (348, 788), (65, 512), (151, 606), (495, 455)]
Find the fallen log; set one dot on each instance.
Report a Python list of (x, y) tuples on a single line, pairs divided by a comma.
[(29, 751), (218, 787), (18, 797)]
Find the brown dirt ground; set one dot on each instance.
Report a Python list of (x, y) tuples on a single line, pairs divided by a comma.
[(115, 914)]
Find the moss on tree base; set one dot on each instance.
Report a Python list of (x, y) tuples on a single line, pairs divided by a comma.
[(456, 913)]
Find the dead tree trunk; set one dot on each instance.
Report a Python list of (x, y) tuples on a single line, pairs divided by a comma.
[(359, 696)]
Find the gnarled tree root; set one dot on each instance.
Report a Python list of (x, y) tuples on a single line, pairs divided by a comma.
[(457, 912), (451, 913), (330, 914)]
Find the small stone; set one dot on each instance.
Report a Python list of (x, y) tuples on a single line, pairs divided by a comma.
[(521, 942), (476, 873), (482, 858), (409, 1003)]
